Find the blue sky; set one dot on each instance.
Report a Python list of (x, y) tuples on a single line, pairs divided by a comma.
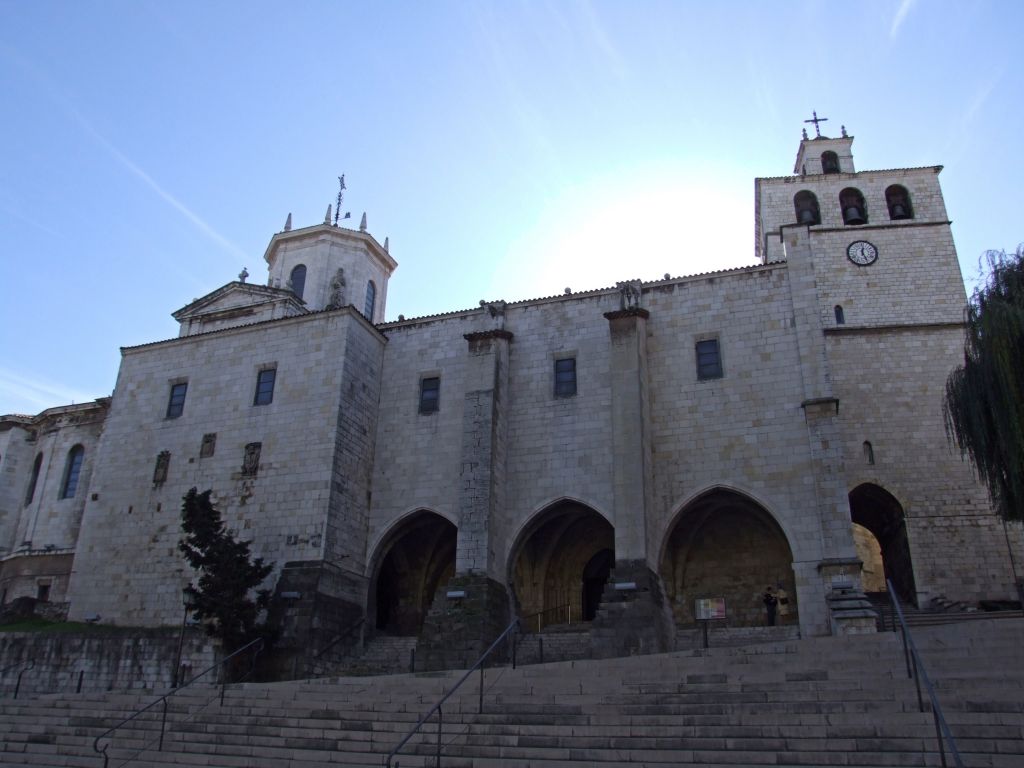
[(508, 149)]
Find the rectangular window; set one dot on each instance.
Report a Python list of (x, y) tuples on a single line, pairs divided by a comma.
[(176, 402), (265, 387), (43, 593), (709, 360), (565, 377), (430, 394)]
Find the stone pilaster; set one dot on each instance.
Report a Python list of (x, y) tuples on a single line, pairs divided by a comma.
[(472, 609), (633, 617), (821, 415)]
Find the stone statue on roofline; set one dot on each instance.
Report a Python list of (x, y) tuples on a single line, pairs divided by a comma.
[(629, 294), (336, 297)]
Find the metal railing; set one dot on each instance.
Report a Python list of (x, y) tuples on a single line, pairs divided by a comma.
[(559, 610), (255, 646), (917, 672), (25, 667), (509, 633), (338, 638), (318, 671)]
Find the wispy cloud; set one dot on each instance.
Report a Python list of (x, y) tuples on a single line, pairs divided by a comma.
[(57, 96), (27, 392), (149, 181), (960, 133), (900, 17), (600, 38)]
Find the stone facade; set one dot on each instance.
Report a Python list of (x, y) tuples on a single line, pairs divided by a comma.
[(612, 455)]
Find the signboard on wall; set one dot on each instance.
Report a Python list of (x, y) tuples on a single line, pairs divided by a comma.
[(709, 608)]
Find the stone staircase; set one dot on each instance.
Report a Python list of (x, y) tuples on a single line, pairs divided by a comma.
[(821, 701), (938, 611), (557, 642), (383, 655)]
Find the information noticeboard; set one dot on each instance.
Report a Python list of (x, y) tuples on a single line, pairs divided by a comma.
[(709, 608)]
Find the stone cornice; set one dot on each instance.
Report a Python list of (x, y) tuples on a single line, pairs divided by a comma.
[(853, 330)]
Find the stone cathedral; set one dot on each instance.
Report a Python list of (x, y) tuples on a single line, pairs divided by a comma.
[(612, 457)]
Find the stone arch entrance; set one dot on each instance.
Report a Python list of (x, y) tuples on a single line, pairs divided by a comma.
[(879, 513), (724, 544), (416, 558), (560, 565)]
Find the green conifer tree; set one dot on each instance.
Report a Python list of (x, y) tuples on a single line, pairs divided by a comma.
[(227, 574)]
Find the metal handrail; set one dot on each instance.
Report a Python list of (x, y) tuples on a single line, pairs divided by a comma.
[(916, 671), (538, 614), (338, 638), (509, 631), (258, 644), (25, 667)]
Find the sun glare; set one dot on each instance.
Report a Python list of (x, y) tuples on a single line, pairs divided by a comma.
[(641, 227)]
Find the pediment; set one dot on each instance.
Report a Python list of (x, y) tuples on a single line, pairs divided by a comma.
[(238, 297)]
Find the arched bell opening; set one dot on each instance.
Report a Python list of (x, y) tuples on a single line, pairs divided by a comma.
[(879, 513), (829, 162), (416, 559), (805, 203), (851, 203), (725, 545), (560, 564), (897, 200)]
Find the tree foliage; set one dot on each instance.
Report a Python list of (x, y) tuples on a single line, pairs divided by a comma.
[(227, 574), (984, 403)]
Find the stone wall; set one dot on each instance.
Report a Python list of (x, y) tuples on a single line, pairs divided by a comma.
[(91, 663), (283, 506)]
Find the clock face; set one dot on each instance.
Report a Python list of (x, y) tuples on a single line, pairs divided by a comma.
[(861, 253)]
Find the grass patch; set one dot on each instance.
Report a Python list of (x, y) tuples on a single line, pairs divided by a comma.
[(44, 627)]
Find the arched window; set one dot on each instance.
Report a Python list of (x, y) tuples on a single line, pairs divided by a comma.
[(898, 201), (840, 316), (829, 162), (869, 453), (371, 300), (298, 280), (72, 470), (31, 492), (807, 210), (851, 203)]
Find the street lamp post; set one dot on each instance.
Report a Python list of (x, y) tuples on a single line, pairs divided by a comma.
[(188, 596)]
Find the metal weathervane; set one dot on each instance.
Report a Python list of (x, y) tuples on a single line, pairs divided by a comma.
[(341, 196)]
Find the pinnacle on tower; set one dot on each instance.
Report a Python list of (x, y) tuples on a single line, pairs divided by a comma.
[(327, 218), (362, 223), (387, 245), (288, 223)]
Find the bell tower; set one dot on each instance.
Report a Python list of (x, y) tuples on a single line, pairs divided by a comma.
[(328, 267)]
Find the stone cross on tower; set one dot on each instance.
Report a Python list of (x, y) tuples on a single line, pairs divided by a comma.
[(816, 120)]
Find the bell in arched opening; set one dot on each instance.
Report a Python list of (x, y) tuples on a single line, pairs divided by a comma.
[(851, 202), (898, 201), (807, 210), (854, 215), (829, 162)]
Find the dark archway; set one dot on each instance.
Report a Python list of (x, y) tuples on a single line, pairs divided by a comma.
[(419, 556), (877, 510), (595, 576), (560, 565), (724, 544)]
